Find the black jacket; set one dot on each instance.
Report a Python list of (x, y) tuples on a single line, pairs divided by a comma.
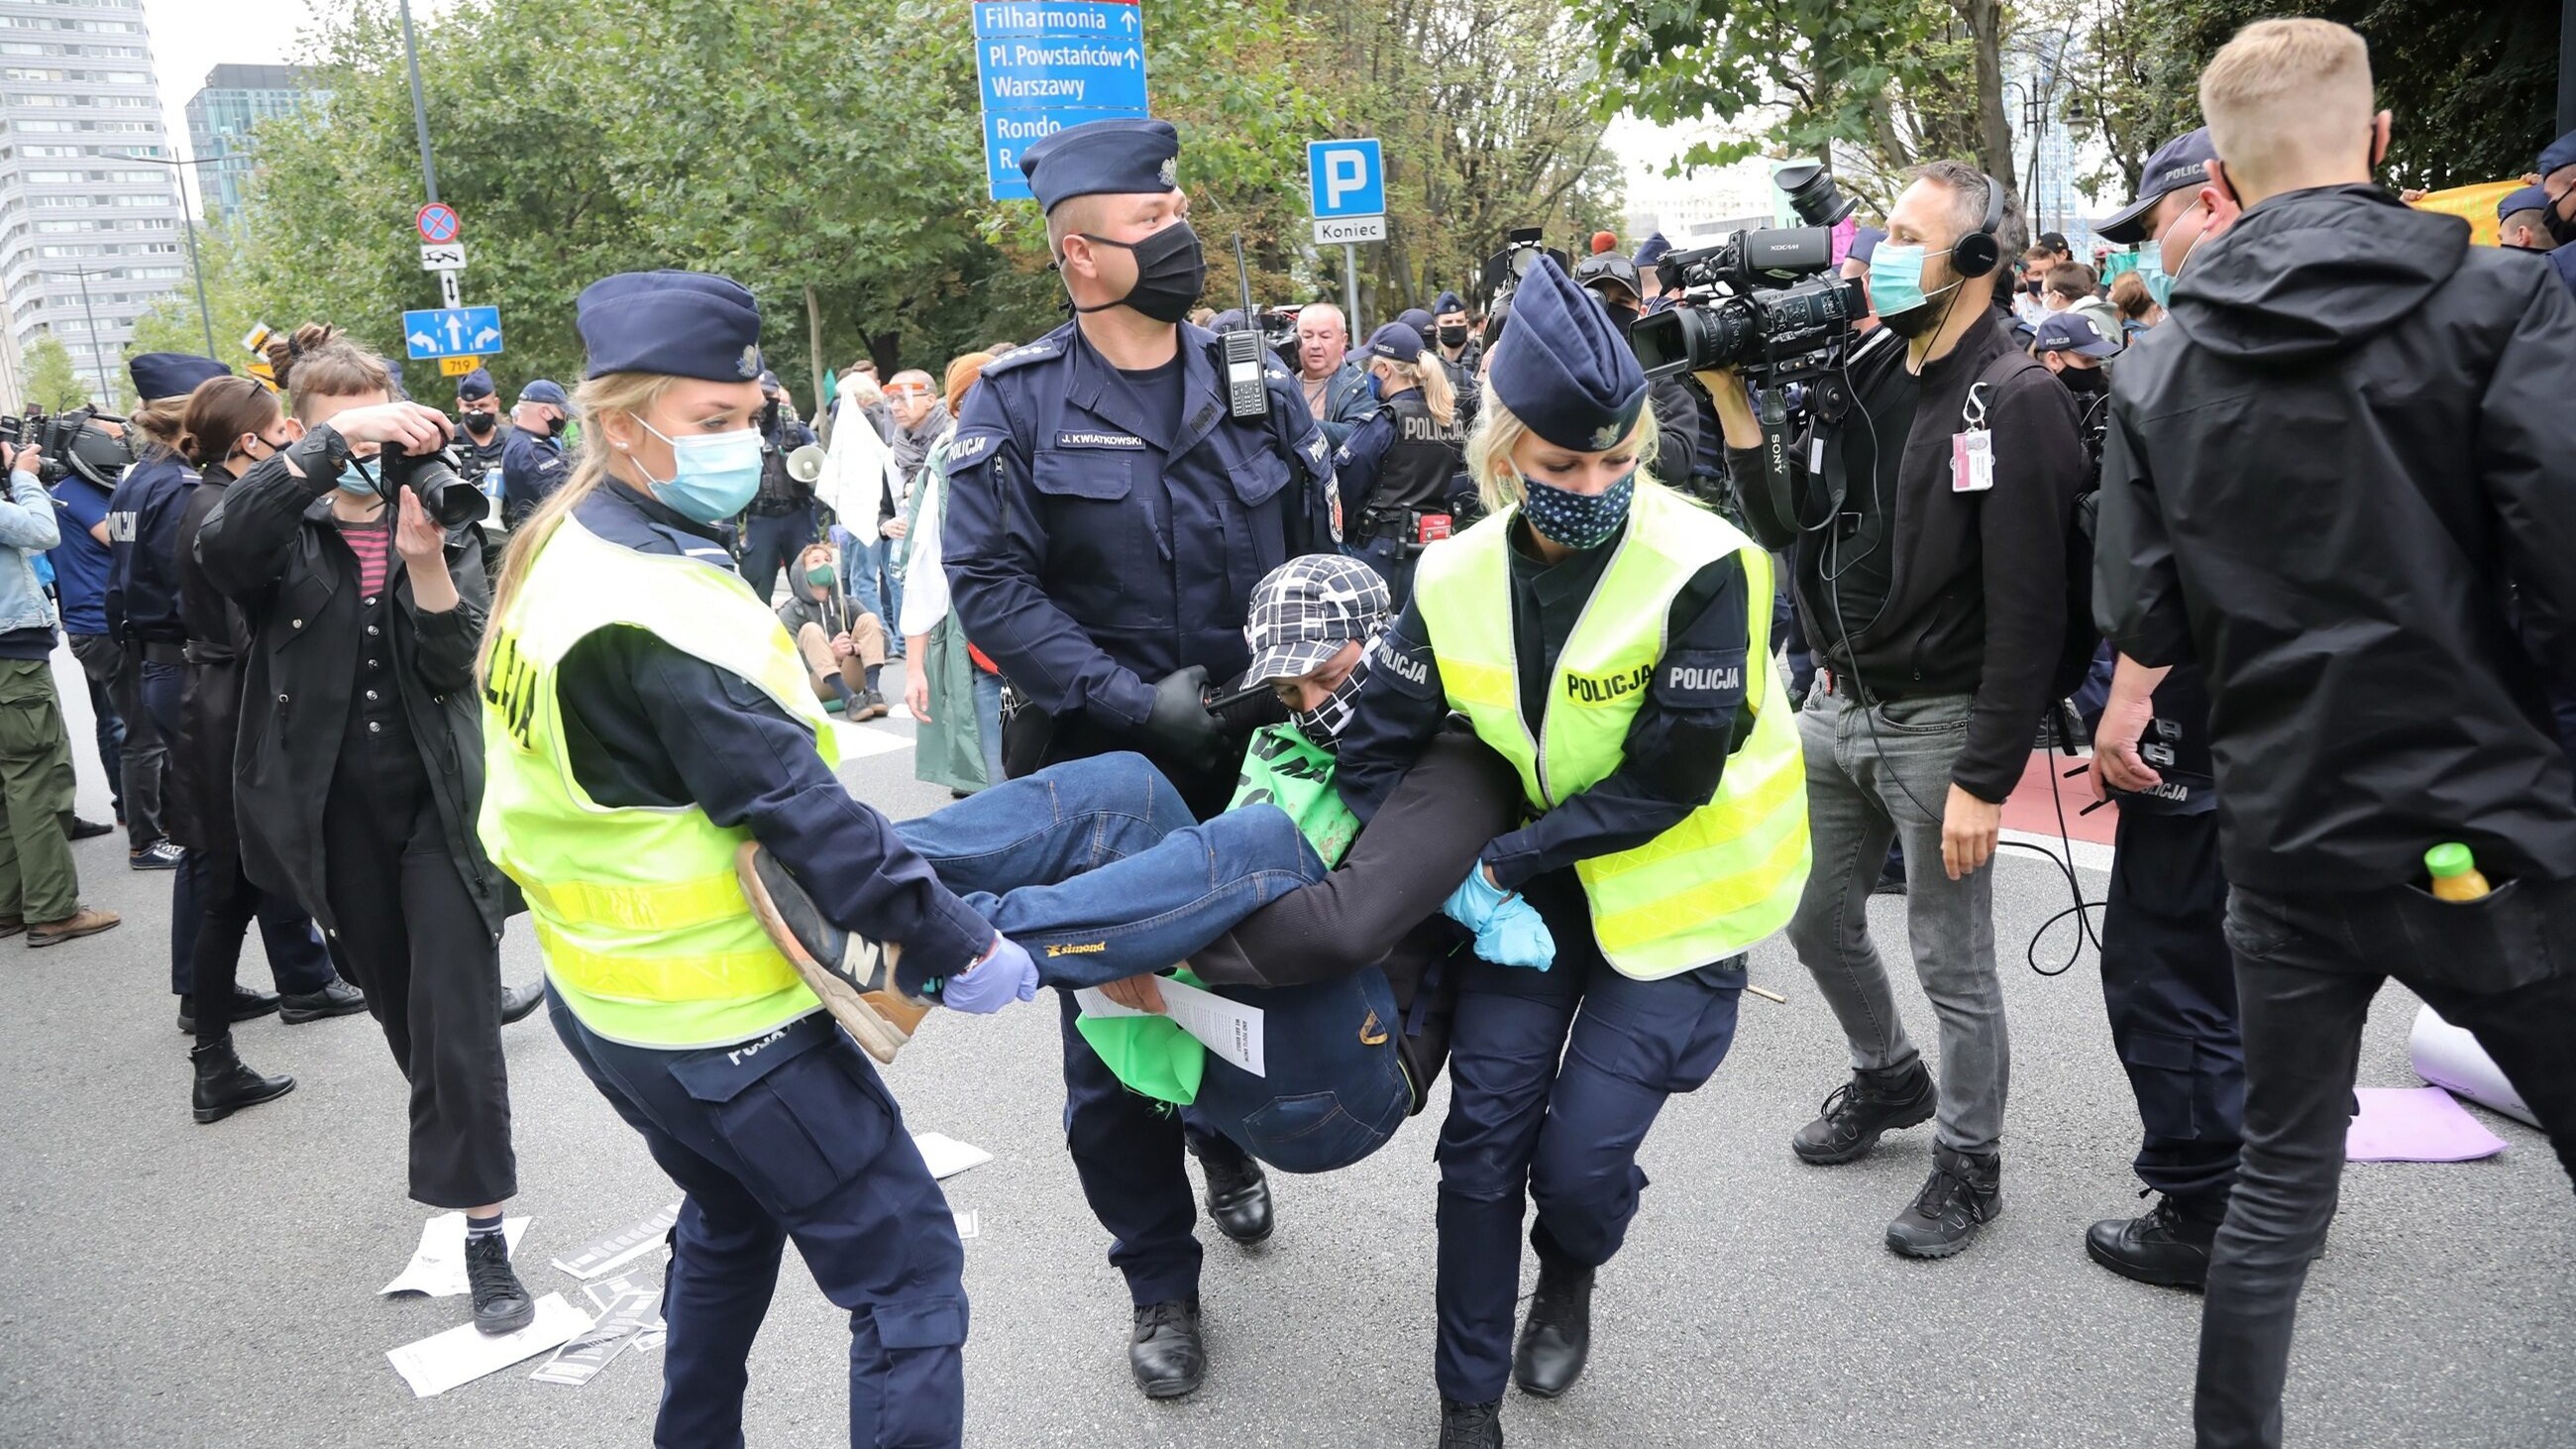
[(1676, 432), (1977, 590), (197, 783), (2321, 473), (271, 547)]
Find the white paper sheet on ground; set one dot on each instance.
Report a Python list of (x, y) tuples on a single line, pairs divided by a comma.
[(437, 1267), (858, 740), (946, 1156), (621, 1247), (580, 1360), (1228, 1028), (2448, 1056), (970, 1224), (465, 1353), (604, 1292)]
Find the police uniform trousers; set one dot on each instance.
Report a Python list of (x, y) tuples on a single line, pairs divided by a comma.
[(791, 1135), (408, 934), (770, 543), (2170, 984), (1555, 1077), (1126, 1147)]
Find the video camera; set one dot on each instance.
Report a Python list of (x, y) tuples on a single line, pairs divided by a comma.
[(1502, 272), (71, 441), (436, 479), (1759, 301)]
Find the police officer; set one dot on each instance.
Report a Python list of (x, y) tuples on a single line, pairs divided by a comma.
[(532, 457), (644, 719), (1399, 470), (780, 521), (482, 436), (143, 520), (2167, 976), (1109, 516), (1611, 640), (2558, 184)]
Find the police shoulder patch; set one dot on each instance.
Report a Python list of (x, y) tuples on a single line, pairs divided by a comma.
[(1042, 350), (967, 449), (1396, 660), (1700, 679)]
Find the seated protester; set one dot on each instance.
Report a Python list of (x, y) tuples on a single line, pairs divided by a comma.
[(1397, 472), (843, 648)]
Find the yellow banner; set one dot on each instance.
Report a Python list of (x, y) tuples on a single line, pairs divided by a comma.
[(2475, 205)]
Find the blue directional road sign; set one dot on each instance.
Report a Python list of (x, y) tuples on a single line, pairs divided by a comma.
[(1345, 178), (1043, 65), (452, 332)]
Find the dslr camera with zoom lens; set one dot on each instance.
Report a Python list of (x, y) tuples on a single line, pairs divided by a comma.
[(71, 442), (436, 479), (1759, 302)]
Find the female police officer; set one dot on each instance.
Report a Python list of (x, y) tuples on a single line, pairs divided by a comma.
[(644, 716), (1396, 469), (1610, 639)]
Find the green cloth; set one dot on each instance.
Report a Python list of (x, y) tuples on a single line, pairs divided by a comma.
[(1151, 1054), (37, 880), (1280, 768), (948, 747)]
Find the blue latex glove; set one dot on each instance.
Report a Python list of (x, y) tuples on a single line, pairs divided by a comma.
[(1509, 931), (1005, 975)]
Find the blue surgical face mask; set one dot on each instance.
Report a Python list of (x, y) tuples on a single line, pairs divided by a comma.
[(360, 481), (712, 476), (1377, 386), (1577, 520), (1896, 279), (2151, 271)]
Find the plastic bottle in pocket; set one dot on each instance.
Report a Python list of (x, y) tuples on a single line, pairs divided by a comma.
[(2455, 873)]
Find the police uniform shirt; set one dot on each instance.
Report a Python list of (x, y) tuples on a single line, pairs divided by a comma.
[(143, 548), (650, 727), (1400, 458), (532, 468), (1105, 530)]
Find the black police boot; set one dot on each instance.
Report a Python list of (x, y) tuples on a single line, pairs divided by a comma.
[(501, 1301), (1558, 1336), (336, 998), (2167, 1246), (518, 1001), (1166, 1353), (1471, 1426), (247, 1004), (1238, 1195), (225, 1086), (854, 977), (1963, 1194), (1875, 1100)]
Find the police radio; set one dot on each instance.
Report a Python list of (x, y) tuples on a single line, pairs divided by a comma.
[(1247, 396)]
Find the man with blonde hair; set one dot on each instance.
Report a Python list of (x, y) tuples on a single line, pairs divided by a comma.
[(2350, 432)]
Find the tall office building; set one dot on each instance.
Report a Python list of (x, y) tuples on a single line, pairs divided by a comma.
[(89, 238), (2046, 155), (220, 117)]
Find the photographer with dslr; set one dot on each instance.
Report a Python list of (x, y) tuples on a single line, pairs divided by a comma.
[(361, 771), (1929, 555), (39, 887)]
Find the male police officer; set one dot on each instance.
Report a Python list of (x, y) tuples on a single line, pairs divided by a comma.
[(2167, 977), (482, 435), (780, 521), (2558, 185), (532, 461), (1109, 515)]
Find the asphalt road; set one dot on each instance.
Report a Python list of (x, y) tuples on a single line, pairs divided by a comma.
[(169, 1284)]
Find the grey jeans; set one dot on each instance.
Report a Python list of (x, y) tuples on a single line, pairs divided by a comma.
[(1861, 791)]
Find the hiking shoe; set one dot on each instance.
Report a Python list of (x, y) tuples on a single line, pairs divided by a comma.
[(1875, 1100), (501, 1301), (1963, 1194), (87, 921), (872, 705), (854, 977), (2167, 1246)]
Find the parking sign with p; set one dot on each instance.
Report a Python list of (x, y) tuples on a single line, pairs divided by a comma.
[(1345, 178)]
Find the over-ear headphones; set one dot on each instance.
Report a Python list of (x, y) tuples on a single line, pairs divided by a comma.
[(1977, 253)]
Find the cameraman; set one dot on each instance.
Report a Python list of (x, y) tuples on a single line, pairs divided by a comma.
[(1935, 597), (39, 887)]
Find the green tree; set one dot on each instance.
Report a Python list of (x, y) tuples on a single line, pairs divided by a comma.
[(53, 384)]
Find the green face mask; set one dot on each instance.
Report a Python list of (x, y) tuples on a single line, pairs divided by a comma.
[(820, 574)]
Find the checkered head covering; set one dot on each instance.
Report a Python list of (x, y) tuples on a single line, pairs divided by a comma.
[(1306, 609)]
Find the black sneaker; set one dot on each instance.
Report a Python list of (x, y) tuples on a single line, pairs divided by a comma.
[(1166, 1352), (2167, 1246), (854, 977), (501, 1301), (159, 855), (247, 1004), (1963, 1194), (1471, 1426), (1874, 1101), (336, 998), (1238, 1196)]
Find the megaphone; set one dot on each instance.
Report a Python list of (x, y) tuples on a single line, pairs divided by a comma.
[(806, 463)]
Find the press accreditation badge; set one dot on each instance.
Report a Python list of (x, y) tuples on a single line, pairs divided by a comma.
[(1972, 461)]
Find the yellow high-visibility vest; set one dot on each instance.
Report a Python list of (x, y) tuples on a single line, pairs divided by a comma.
[(643, 927), (1730, 873)]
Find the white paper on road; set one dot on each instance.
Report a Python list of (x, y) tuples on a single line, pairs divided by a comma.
[(945, 1156), (1228, 1028), (465, 1353), (579, 1361), (621, 1247), (437, 1267), (970, 1224)]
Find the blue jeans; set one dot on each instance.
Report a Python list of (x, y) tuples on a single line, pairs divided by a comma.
[(1336, 1089), (891, 589), (1095, 867)]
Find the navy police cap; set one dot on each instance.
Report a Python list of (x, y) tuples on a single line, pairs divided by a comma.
[(678, 324), (1564, 370), (2179, 163), (171, 374), (1396, 342), (2529, 198), (2073, 332), (475, 386), (1416, 318), (1114, 158), (1448, 302), (2558, 155)]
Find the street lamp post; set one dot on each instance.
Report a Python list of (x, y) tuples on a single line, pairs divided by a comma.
[(106, 390), (196, 268)]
